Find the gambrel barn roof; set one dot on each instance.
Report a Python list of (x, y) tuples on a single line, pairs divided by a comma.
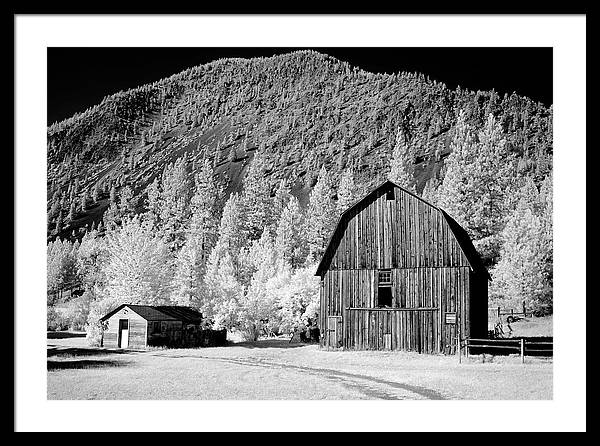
[(460, 235), (161, 313)]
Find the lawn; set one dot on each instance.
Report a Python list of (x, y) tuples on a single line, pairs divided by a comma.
[(532, 327), (275, 369)]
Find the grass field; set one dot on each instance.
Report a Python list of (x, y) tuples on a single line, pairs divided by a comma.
[(274, 369), (533, 327)]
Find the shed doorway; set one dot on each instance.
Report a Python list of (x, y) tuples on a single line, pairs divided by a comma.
[(123, 333)]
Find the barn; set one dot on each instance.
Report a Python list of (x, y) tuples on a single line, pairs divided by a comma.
[(400, 274), (141, 326)]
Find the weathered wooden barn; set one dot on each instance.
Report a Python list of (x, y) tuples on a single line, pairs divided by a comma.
[(400, 274), (141, 326)]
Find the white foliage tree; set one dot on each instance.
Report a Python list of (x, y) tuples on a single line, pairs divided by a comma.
[(299, 300), (524, 272)]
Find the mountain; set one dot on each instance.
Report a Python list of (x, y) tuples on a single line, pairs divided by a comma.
[(302, 110)]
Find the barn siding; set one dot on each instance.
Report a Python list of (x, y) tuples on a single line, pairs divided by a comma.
[(401, 233), (431, 277)]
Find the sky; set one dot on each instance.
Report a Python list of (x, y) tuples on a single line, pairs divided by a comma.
[(79, 78)]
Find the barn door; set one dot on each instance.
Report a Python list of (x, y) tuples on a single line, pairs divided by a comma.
[(123, 333), (334, 331)]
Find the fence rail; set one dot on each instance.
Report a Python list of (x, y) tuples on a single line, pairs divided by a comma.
[(525, 347), (498, 312)]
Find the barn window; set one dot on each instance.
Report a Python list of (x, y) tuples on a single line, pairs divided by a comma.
[(384, 288), (389, 195), (385, 277)]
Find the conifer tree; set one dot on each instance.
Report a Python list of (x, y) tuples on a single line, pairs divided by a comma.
[(430, 190), (113, 194), (256, 199), (96, 193), (401, 171), (347, 191), (204, 221), (202, 235), (282, 198), (174, 203), (289, 241), (232, 238), (59, 223), (477, 184), (126, 204), (72, 211), (84, 201), (320, 216)]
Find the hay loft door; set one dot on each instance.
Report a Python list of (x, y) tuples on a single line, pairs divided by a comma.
[(123, 333), (334, 331)]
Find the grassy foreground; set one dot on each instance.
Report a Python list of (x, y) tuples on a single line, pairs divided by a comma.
[(274, 369)]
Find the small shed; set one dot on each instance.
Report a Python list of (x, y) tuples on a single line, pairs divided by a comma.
[(400, 274), (141, 326)]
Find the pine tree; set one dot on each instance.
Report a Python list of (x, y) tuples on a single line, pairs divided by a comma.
[(430, 190), (126, 203), (174, 210), (401, 171), (113, 194), (96, 193), (477, 184), (347, 191), (59, 223), (202, 234), (232, 238), (289, 241), (320, 216), (72, 211), (256, 199), (282, 198), (188, 278), (204, 221), (84, 201)]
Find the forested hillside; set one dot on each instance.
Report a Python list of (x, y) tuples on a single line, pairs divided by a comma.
[(218, 187)]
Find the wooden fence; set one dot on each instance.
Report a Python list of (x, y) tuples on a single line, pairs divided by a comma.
[(522, 346), (498, 312)]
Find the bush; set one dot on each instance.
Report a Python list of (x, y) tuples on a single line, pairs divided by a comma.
[(55, 320)]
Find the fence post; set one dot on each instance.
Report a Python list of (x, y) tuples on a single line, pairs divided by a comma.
[(498, 312), (466, 347), (458, 349), (522, 351), (524, 310)]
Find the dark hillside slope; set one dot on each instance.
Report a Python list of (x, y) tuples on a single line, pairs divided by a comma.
[(302, 109)]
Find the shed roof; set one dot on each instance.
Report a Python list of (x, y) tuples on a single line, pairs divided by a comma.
[(459, 233), (161, 313)]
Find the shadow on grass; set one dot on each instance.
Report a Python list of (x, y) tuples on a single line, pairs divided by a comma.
[(269, 343), (82, 364), (79, 351), (64, 334)]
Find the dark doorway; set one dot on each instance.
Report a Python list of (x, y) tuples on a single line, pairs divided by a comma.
[(384, 296)]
